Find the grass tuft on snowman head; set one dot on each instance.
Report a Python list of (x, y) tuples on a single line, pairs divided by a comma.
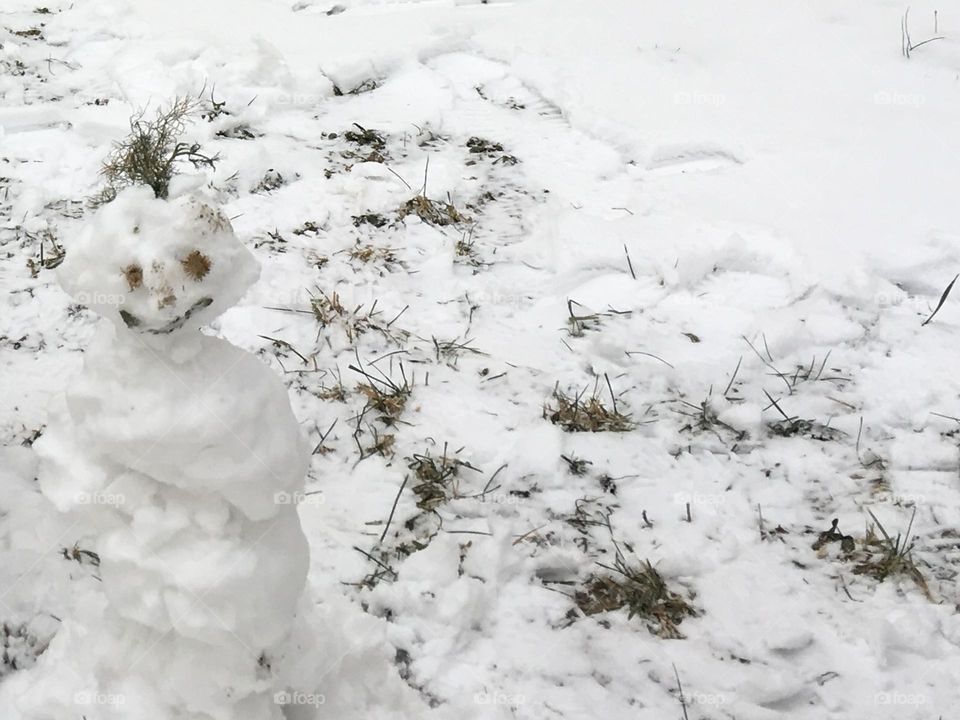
[(152, 151)]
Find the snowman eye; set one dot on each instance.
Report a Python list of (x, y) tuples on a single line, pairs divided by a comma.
[(134, 275), (196, 265)]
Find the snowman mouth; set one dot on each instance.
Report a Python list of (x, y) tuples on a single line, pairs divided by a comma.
[(133, 322)]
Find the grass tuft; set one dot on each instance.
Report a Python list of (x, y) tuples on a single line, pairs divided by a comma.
[(575, 414), (641, 590), (384, 395), (432, 212), (437, 478), (890, 557)]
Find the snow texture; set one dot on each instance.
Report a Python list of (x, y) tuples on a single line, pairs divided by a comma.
[(738, 214)]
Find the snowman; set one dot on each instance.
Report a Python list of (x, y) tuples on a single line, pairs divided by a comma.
[(179, 461)]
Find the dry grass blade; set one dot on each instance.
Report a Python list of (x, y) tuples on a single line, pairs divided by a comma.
[(943, 299)]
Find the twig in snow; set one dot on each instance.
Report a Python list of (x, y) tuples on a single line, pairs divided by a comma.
[(655, 357), (769, 363), (777, 406), (683, 700), (288, 346), (323, 438), (394, 508), (943, 299), (906, 44), (629, 264), (733, 377)]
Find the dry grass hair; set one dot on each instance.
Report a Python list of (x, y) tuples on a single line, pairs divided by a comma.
[(152, 151)]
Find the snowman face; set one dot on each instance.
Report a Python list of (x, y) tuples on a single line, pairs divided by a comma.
[(157, 266)]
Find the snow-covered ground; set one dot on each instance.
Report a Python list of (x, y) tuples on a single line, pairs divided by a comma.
[(733, 218)]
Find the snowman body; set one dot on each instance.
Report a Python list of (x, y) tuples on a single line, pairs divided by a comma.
[(179, 455)]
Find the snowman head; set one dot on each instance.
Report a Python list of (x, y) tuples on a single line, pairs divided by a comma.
[(158, 266)]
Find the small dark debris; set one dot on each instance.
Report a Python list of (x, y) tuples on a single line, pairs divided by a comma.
[(806, 428), (847, 543), (308, 227), (577, 466), (375, 219), (370, 138)]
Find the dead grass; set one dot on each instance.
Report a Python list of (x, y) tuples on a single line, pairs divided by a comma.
[(366, 137), (466, 250), (487, 148), (371, 254), (641, 590), (51, 252), (33, 33), (437, 478), (432, 212), (333, 393), (888, 557), (271, 180), (367, 85), (575, 413), (449, 351), (382, 444), (384, 395), (877, 555), (328, 310), (375, 219), (389, 402), (578, 324), (309, 226)]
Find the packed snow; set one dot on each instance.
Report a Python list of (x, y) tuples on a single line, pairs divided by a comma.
[(565, 298)]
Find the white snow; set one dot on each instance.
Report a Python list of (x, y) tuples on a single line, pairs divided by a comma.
[(748, 205)]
